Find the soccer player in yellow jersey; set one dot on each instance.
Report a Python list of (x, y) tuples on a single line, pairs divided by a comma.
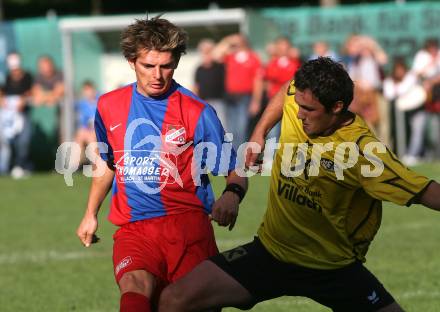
[(329, 178)]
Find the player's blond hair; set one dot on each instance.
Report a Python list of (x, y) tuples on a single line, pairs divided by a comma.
[(153, 34)]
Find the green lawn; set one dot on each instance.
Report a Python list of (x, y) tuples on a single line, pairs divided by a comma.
[(43, 266)]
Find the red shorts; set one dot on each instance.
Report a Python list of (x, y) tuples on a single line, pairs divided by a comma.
[(168, 246)]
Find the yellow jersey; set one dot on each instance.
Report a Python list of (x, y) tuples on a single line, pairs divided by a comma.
[(326, 215)]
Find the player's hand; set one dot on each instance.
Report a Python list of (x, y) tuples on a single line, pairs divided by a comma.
[(87, 229), (252, 161), (225, 210)]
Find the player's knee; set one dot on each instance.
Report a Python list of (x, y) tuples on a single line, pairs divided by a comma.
[(133, 282), (172, 299)]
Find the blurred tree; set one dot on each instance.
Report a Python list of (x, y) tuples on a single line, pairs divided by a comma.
[(32, 8)]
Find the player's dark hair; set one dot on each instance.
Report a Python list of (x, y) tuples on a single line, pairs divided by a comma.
[(153, 34), (328, 81)]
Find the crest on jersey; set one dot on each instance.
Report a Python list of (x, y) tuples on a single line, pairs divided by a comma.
[(328, 164), (175, 134)]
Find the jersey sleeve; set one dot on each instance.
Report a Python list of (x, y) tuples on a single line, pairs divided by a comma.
[(396, 183), (101, 137), (210, 131)]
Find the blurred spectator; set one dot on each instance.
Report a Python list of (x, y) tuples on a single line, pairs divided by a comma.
[(210, 79), (86, 109), (321, 49), (10, 125), (295, 53), (426, 66), (49, 88), (280, 69), (364, 58), (16, 127), (271, 50), (242, 67), (396, 86)]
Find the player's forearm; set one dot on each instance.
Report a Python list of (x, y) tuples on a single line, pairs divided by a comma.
[(272, 114), (98, 191), (238, 186), (234, 178), (430, 197)]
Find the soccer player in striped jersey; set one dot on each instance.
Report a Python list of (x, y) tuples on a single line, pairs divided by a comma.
[(323, 211), (159, 142)]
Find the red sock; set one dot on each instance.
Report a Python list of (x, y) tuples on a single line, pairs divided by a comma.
[(134, 302)]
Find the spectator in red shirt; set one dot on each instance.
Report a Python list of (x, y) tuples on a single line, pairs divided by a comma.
[(280, 69), (242, 70)]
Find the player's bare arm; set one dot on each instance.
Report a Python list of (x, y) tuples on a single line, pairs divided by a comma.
[(98, 190), (225, 209), (271, 115), (430, 197)]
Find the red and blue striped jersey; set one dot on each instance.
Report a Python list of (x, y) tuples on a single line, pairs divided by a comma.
[(161, 148)]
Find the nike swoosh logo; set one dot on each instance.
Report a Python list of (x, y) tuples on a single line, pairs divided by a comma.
[(114, 127)]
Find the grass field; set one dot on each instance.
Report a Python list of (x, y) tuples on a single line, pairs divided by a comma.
[(43, 267)]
